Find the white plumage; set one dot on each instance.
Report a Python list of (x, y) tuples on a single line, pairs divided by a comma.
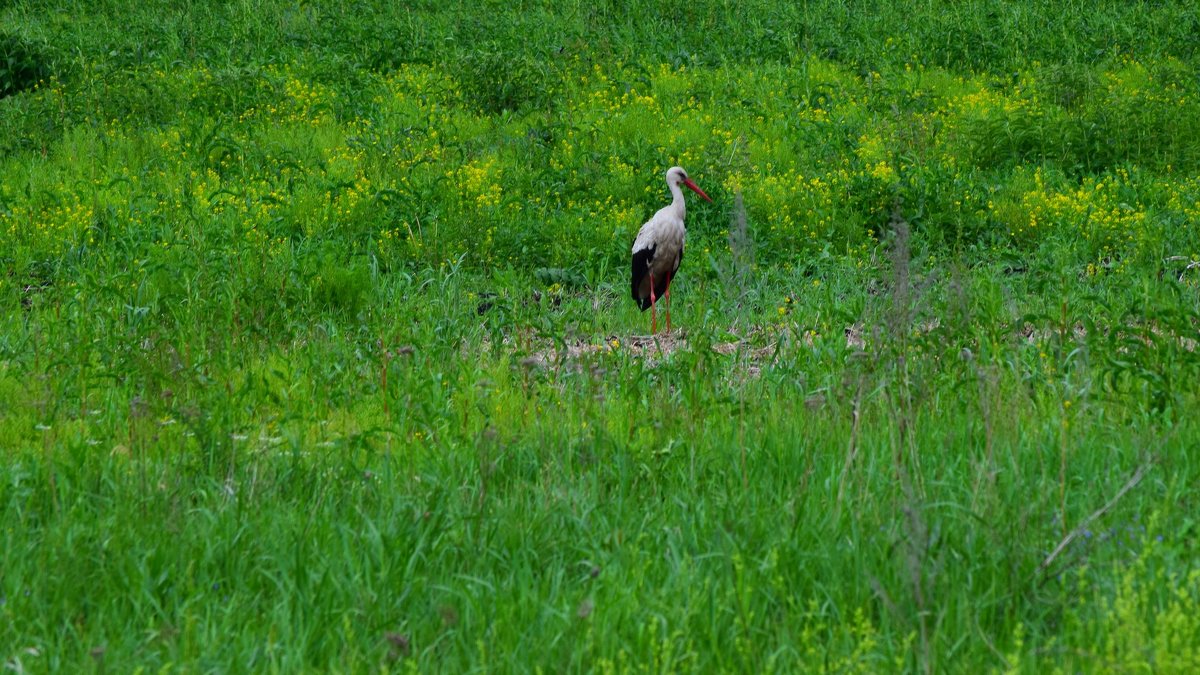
[(658, 248)]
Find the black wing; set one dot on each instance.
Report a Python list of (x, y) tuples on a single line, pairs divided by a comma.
[(641, 267)]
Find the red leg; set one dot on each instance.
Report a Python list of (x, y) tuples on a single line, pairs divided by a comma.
[(653, 302)]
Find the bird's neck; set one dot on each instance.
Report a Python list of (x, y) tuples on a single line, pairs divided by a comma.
[(677, 204)]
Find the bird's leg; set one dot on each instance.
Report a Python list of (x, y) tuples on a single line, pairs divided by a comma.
[(667, 295), (653, 318)]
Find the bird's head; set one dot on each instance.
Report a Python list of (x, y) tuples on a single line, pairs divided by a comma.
[(676, 176)]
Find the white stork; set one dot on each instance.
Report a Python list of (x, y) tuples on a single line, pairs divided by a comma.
[(658, 249)]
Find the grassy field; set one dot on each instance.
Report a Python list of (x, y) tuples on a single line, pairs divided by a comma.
[(316, 350)]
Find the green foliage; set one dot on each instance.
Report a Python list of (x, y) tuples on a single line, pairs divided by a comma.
[(316, 351), (341, 287), (22, 64)]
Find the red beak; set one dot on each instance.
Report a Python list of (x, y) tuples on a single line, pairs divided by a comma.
[(696, 188)]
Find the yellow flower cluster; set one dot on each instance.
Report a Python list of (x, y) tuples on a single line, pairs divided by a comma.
[(310, 101), (1094, 211), (479, 182), (49, 228)]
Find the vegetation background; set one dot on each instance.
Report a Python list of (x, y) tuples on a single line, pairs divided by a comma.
[(316, 352)]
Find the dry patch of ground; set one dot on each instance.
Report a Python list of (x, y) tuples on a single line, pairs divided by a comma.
[(653, 349), (759, 348)]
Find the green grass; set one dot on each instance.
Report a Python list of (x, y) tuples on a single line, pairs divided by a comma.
[(316, 352)]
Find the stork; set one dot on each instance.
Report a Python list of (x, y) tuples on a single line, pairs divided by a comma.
[(658, 249)]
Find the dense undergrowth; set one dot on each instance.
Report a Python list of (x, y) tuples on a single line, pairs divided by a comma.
[(316, 354)]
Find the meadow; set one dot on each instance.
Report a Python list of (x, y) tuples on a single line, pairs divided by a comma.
[(317, 352)]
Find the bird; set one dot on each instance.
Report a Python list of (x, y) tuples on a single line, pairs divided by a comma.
[(658, 249)]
